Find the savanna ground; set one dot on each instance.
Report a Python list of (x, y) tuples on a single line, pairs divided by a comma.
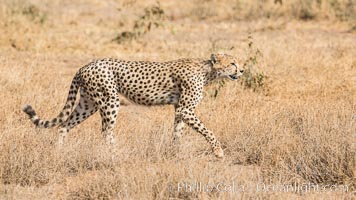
[(289, 122)]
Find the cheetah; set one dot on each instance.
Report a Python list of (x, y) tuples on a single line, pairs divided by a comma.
[(179, 83)]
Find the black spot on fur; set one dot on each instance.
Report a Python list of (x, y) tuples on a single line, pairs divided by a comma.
[(36, 122)]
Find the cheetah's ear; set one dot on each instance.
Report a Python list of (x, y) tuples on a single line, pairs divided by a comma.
[(217, 58), (213, 59)]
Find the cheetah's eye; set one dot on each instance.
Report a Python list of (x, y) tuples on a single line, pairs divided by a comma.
[(233, 64)]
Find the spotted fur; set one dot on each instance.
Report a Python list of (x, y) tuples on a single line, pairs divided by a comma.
[(178, 82)]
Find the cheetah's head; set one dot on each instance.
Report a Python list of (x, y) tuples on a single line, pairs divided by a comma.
[(226, 66)]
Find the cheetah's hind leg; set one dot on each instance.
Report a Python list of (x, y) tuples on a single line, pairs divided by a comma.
[(85, 108), (108, 111)]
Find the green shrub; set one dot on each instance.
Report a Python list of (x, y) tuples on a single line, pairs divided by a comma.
[(251, 79), (152, 18)]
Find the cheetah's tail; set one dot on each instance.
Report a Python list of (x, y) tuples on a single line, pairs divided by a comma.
[(63, 115)]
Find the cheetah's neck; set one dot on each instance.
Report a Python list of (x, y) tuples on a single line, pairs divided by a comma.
[(211, 76)]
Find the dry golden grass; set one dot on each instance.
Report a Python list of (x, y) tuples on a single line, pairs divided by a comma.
[(299, 130)]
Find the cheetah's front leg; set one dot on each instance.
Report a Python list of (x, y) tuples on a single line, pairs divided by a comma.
[(193, 121), (178, 127), (191, 94)]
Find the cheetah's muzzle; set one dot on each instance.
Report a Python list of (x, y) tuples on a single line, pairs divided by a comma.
[(233, 77)]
